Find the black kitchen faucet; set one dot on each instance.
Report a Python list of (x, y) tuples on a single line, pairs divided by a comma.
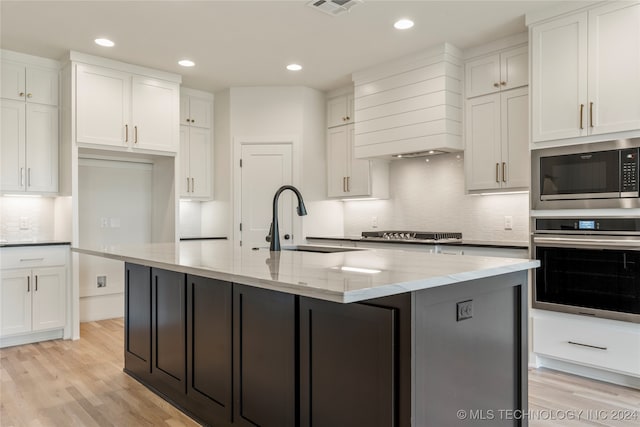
[(274, 232)]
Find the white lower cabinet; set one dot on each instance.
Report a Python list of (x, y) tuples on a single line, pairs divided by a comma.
[(597, 343), (33, 299)]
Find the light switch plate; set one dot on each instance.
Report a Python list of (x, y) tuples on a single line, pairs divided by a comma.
[(24, 223), (508, 222)]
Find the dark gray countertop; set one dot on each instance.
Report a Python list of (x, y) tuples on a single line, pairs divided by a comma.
[(477, 243), (15, 244)]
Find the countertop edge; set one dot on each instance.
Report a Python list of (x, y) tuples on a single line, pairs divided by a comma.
[(324, 294), (25, 244)]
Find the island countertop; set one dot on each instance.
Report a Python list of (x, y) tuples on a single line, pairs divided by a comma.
[(351, 276)]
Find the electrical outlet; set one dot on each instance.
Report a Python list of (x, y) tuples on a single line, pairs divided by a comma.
[(24, 223), (508, 222), (101, 281), (464, 310), (374, 222), (115, 222)]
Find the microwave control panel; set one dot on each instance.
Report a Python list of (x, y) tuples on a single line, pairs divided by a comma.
[(629, 171)]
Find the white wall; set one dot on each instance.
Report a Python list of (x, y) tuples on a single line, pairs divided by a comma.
[(115, 204), (268, 112), (429, 196), (190, 219)]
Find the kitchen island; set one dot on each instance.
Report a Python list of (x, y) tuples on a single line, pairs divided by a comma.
[(244, 336)]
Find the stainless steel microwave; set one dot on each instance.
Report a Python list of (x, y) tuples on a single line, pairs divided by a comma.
[(597, 175)]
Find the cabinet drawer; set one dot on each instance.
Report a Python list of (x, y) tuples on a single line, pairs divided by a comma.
[(33, 256), (589, 343)]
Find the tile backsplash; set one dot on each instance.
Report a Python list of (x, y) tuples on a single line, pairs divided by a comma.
[(26, 218), (430, 196)]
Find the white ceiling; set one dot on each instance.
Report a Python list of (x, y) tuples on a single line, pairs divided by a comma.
[(247, 43)]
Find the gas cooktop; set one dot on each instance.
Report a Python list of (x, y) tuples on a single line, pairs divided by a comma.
[(422, 236)]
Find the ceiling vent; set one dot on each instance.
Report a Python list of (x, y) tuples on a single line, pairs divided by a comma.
[(333, 7)]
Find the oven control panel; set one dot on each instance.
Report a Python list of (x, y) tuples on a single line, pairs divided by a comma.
[(629, 172)]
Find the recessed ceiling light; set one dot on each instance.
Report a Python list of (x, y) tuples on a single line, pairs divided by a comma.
[(186, 63), (104, 42), (294, 67), (403, 24)]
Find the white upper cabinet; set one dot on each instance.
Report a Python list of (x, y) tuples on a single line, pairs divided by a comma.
[(586, 73), (340, 110), (614, 68), (196, 144), (497, 146), (500, 71), (102, 106), (196, 111), (119, 109), (348, 176), (29, 125), (29, 83)]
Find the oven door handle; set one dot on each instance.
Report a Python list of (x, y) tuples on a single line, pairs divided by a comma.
[(591, 243)]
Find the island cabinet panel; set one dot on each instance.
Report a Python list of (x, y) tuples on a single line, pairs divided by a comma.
[(264, 357), (137, 329), (347, 364), (168, 333), (209, 349), (470, 353)]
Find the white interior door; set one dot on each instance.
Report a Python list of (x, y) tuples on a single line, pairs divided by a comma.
[(265, 168)]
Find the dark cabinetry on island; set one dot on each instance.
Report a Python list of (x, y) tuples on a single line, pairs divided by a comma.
[(233, 354)]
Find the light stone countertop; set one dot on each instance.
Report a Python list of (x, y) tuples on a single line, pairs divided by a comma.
[(341, 277)]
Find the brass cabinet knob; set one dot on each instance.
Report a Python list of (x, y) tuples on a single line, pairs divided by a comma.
[(503, 83), (21, 94), (29, 95), (348, 118)]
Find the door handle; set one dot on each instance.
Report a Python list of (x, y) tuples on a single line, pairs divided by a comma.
[(591, 114), (36, 283), (126, 133), (344, 184), (21, 177), (135, 134), (193, 184), (28, 177), (504, 172), (497, 172), (187, 184), (28, 284), (581, 114), (348, 184)]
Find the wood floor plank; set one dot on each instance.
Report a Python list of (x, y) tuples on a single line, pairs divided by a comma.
[(81, 383)]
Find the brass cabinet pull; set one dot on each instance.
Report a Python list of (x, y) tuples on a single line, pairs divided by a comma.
[(126, 133), (193, 185), (28, 177), (187, 184), (135, 134), (497, 172), (348, 184), (36, 283), (28, 284), (21, 177), (504, 172), (581, 114), (344, 184), (591, 114)]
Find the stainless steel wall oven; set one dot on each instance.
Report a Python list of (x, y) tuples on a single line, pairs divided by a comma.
[(590, 266)]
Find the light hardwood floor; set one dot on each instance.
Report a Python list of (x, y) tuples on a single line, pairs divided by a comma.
[(81, 383)]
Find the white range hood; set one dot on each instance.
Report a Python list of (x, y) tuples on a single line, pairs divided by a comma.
[(411, 105)]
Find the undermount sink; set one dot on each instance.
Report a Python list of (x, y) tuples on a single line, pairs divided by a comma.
[(319, 249)]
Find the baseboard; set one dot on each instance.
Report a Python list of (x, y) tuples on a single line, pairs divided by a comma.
[(588, 372), (31, 338), (101, 307)]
